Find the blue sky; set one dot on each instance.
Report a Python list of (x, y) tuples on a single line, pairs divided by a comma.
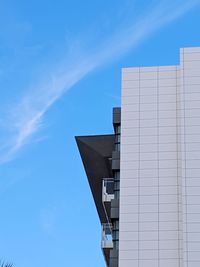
[(60, 71)]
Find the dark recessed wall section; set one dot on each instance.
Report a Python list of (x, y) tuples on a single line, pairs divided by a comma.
[(114, 214), (113, 258), (116, 115), (115, 160)]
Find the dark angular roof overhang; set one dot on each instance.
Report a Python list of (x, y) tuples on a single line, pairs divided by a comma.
[(96, 154)]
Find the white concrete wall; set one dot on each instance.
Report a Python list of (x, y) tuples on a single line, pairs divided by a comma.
[(149, 196), (160, 165), (190, 147)]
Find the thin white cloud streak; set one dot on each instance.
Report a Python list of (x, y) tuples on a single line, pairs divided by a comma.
[(28, 114)]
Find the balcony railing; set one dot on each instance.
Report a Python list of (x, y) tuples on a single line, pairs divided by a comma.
[(107, 189), (106, 240)]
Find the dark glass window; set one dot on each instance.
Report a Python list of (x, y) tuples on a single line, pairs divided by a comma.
[(116, 234)]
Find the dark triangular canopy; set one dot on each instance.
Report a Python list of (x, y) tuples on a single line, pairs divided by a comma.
[(96, 154)]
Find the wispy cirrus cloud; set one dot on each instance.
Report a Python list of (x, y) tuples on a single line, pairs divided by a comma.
[(28, 114)]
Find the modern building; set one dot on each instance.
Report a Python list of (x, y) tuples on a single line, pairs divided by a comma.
[(147, 189)]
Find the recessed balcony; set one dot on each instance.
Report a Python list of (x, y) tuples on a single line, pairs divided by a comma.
[(106, 240), (107, 189)]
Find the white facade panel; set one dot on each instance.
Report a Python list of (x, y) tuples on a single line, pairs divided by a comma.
[(160, 165)]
